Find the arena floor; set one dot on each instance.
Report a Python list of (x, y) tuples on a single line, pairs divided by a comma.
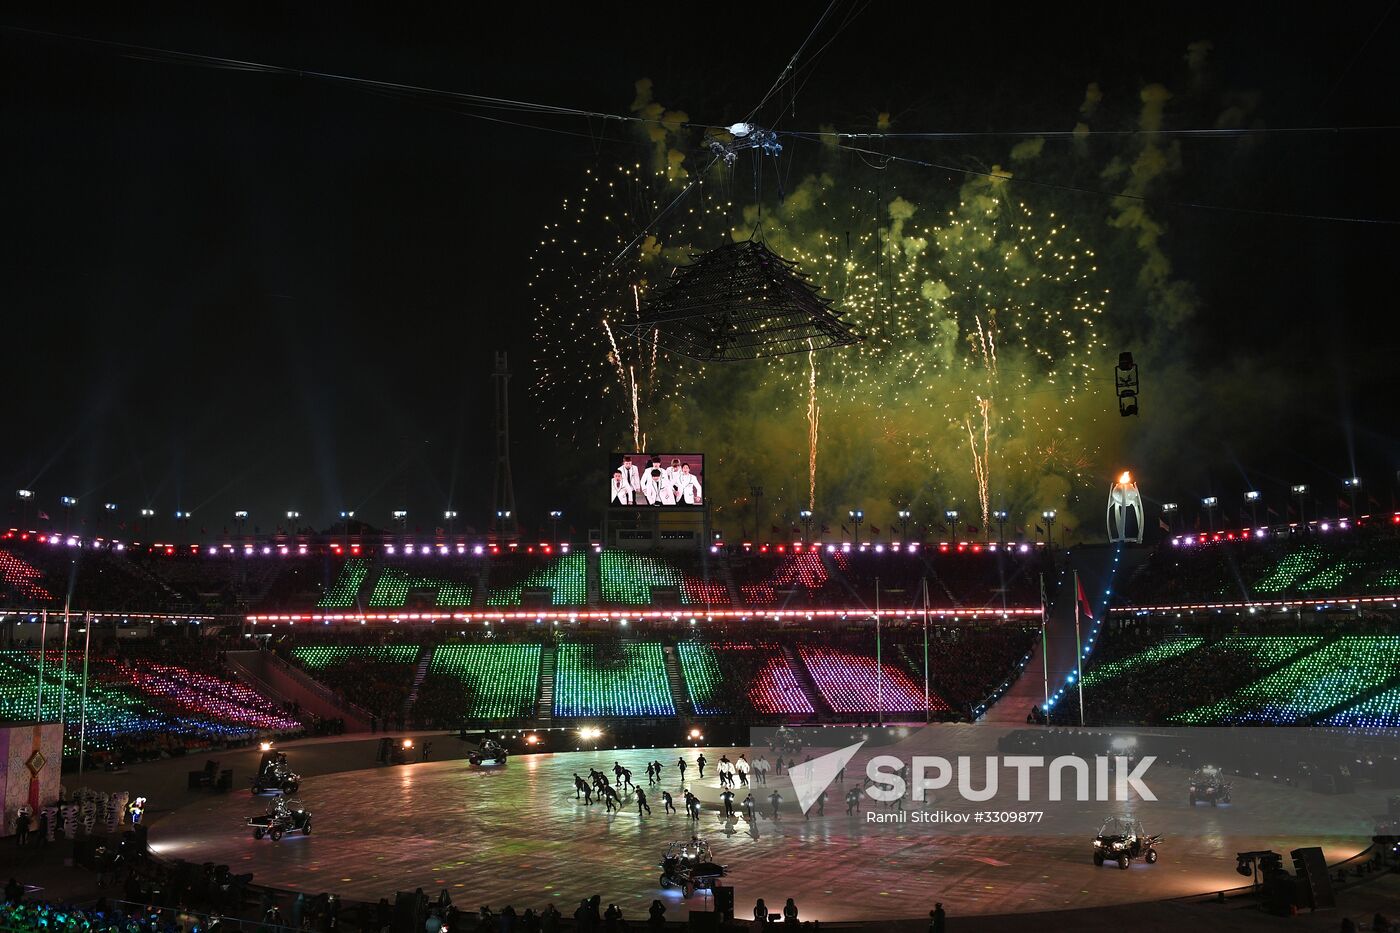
[(518, 836)]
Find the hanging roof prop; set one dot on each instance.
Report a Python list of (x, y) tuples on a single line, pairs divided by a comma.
[(741, 301)]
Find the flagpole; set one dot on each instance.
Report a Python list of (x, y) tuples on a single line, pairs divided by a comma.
[(1078, 651), (43, 642), (63, 662), (879, 664), (927, 712), (1044, 647), (82, 706)]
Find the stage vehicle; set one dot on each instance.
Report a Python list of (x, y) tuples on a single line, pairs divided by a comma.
[(1121, 840), (284, 817), (488, 753), (690, 866), (1206, 784), (274, 775)]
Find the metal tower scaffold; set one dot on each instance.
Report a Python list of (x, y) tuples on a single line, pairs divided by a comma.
[(504, 524)]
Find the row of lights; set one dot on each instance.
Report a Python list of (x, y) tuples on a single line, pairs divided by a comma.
[(243, 514)]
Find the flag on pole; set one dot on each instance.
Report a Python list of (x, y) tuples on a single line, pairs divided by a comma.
[(1084, 606), (1161, 523)]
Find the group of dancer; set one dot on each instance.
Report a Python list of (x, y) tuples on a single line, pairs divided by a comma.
[(733, 775), (655, 484)]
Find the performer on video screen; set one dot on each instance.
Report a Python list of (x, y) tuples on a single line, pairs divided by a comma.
[(621, 492), (656, 489), (688, 486), (631, 475)]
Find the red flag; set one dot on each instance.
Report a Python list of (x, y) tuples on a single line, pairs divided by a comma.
[(874, 529), (1083, 599), (1164, 526)]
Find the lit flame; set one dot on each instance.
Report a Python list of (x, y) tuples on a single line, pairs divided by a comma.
[(1126, 478)]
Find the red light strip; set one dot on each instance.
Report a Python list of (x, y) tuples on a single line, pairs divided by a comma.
[(1339, 602), (609, 615)]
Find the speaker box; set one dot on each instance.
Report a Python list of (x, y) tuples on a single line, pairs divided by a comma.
[(1314, 881), (724, 901), (410, 910), (703, 921)]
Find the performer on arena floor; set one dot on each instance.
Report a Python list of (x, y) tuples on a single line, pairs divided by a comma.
[(642, 802), (666, 799)]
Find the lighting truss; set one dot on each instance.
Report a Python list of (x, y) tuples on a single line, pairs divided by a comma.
[(741, 301)]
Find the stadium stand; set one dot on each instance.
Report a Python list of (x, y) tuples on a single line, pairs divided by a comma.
[(1338, 673), (628, 578), (850, 682), (443, 584), (611, 678), (1352, 562), (735, 678), (564, 575), (375, 677), (479, 683), (345, 591), (140, 705)]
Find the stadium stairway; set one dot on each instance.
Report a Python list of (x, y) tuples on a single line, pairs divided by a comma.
[(595, 580), (420, 673), (1101, 567), (544, 702), (679, 695), (281, 682), (804, 680)]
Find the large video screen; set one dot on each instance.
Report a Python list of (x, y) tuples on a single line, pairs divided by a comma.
[(663, 481)]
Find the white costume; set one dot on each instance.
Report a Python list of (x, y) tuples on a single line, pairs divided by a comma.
[(656, 488), (621, 492), (630, 476), (688, 488)]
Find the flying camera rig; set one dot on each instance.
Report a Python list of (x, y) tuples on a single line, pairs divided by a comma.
[(744, 136)]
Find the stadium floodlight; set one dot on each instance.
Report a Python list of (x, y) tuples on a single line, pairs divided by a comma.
[(503, 513), (805, 515), (556, 515), (904, 514), (399, 515), (1352, 482), (951, 514), (182, 516), (293, 515), (1000, 515), (1210, 502), (24, 493), (857, 513), (449, 514), (1169, 506), (1048, 516), (1300, 489), (347, 513), (241, 515), (1252, 496), (109, 506), (148, 513), (68, 501)]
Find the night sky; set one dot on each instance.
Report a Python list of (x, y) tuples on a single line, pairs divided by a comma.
[(229, 290)]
